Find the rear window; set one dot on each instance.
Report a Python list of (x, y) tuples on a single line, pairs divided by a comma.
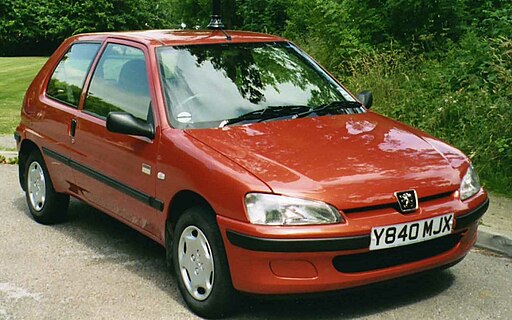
[(68, 78)]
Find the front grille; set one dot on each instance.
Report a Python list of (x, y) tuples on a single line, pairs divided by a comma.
[(394, 205), (386, 258)]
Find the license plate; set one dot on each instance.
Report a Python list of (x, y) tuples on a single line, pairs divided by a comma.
[(412, 232)]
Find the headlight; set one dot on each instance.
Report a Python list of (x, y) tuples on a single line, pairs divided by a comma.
[(470, 184), (270, 209)]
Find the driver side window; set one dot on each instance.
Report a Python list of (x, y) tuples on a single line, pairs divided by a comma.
[(119, 83)]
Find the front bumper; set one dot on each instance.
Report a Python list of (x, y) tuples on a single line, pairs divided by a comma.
[(287, 264)]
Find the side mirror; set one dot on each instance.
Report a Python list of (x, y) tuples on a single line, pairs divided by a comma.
[(125, 123), (366, 98)]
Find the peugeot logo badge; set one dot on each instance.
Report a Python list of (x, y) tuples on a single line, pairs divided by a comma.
[(407, 200)]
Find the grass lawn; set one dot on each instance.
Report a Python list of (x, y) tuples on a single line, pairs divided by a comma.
[(15, 77)]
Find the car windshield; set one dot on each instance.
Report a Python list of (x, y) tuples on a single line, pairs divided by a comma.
[(207, 86)]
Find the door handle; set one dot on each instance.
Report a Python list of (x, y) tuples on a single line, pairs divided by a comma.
[(72, 130)]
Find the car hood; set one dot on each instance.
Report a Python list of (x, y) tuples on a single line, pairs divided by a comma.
[(349, 161)]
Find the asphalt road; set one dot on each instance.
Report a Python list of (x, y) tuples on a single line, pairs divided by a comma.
[(93, 267)]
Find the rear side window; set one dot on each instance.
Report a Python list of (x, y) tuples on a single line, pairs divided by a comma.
[(68, 78), (119, 83)]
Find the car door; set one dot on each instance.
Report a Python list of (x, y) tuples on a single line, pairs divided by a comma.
[(52, 124), (117, 172)]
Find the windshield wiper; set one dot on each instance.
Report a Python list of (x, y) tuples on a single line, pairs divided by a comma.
[(346, 106), (267, 113), (298, 111)]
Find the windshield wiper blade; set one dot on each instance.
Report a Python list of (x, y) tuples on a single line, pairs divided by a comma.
[(334, 105), (267, 113)]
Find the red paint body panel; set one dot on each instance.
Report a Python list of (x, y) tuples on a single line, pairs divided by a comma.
[(349, 161)]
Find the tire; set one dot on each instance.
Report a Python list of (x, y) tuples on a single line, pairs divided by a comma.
[(45, 204), (201, 266)]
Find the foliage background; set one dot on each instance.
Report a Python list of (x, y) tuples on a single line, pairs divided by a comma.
[(444, 66), (37, 27)]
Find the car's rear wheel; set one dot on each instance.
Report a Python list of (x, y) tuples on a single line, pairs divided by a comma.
[(201, 265), (45, 204)]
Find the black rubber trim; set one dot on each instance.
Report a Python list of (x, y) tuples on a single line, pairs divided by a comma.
[(330, 244), (17, 137), (57, 156), (298, 245), (142, 197), (464, 221), (386, 258)]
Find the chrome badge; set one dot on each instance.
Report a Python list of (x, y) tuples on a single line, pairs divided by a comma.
[(407, 200)]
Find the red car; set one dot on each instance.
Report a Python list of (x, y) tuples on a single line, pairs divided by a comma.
[(255, 168)]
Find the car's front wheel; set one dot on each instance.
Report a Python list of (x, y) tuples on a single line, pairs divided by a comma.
[(201, 265), (45, 204)]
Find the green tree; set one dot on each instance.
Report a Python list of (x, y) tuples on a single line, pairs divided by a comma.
[(36, 27)]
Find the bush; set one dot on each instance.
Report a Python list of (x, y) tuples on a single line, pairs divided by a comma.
[(326, 30), (462, 98)]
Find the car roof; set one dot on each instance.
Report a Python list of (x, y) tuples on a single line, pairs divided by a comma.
[(181, 37)]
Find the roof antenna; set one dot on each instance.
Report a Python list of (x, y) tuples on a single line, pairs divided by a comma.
[(216, 20)]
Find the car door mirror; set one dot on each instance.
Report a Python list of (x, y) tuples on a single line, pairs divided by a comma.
[(366, 98), (125, 123)]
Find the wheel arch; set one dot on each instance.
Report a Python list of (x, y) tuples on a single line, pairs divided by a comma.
[(26, 148), (179, 203)]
